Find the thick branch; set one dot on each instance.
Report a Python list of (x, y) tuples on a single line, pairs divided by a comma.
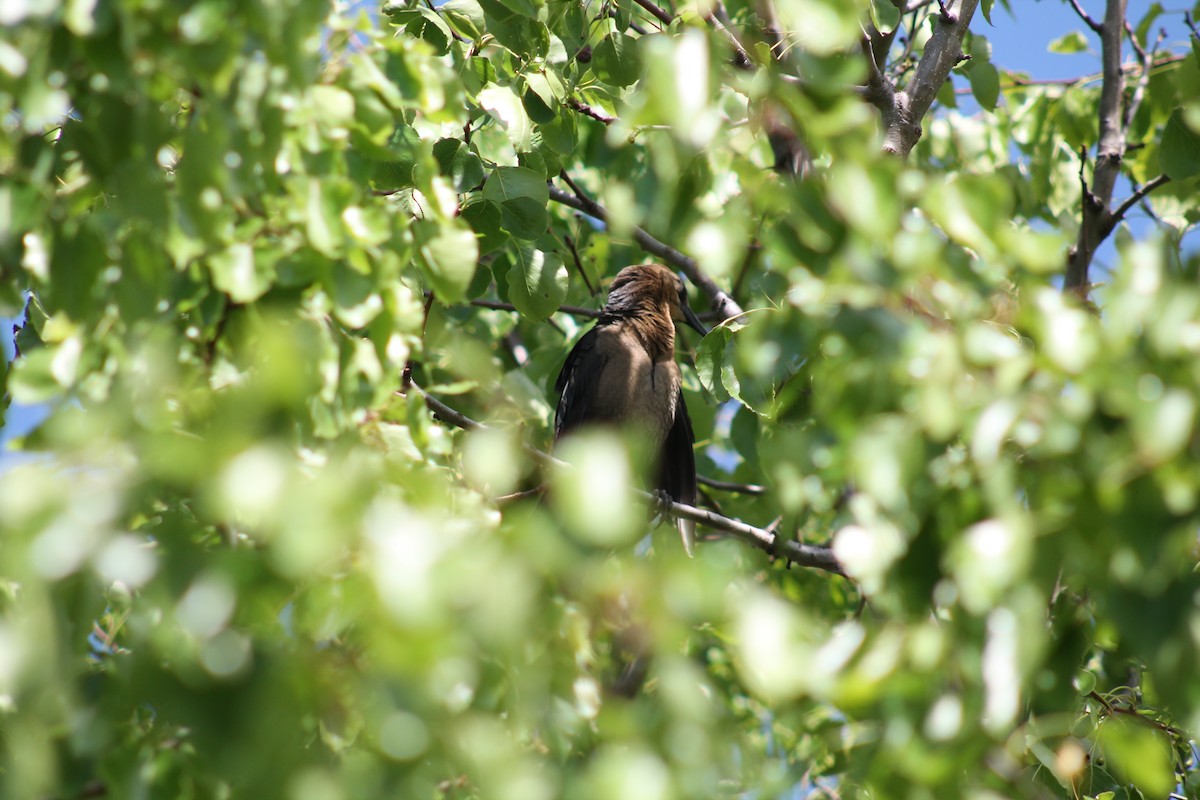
[(805, 555), (942, 52), (722, 303), (1109, 152), (879, 91)]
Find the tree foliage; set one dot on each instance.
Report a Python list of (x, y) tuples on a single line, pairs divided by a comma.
[(256, 242)]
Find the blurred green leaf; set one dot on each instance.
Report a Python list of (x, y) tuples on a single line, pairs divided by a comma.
[(1180, 148), (1073, 42), (985, 84), (448, 253)]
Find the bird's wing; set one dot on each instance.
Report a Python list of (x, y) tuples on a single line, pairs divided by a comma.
[(678, 471), (577, 383)]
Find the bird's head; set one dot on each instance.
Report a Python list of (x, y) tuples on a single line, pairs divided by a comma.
[(643, 288)]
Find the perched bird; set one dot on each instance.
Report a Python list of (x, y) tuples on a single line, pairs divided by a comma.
[(623, 373)]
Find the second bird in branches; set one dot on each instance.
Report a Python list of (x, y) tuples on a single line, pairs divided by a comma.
[(623, 373)]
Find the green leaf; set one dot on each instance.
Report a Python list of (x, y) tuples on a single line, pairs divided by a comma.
[(465, 16), (487, 221), (522, 195), (986, 8), (560, 135), (324, 227), (715, 362), (537, 282), (616, 61), (1179, 151), (521, 33), (506, 108), (448, 253), (540, 99), (1139, 753), (1073, 42), (985, 84), (458, 163), (237, 272), (425, 23), (710, 356), (885, 15), (32, 379), (1142, 29)]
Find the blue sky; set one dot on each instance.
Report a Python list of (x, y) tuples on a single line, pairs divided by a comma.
[(1019, 42)]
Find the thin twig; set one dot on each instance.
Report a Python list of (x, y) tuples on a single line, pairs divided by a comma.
[(1139, 88), (1115, 218), (737, 488), (911, 29), (879, 91), (722, 302), (1083, 15), (516, 346), (719, 19), (575, 311), (1016, 81), (752, 250), (588, 111), (508, 498), (806, 555), (1187, 18), (1083, 157), (656, 12), (570, 243)]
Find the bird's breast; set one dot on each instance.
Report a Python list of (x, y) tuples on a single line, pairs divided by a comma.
[(636, 389)]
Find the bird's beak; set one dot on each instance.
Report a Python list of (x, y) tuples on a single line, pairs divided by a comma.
[(690, 317)]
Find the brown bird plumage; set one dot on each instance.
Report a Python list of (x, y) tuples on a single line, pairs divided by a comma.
[(623, 372)]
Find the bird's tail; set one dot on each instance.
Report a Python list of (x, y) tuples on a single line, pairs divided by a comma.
[(687, 531)]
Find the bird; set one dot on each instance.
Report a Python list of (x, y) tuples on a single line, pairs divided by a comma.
[(622, 373)]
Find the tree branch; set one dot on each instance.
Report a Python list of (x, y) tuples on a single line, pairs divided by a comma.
[(1083, 15), (1146, 57), (902, 117), (1126, 69), (722, 303), (879, 91), (656, 12), (570, 243), (575, 311), (588, 111), (719, 19), (1109, 152), (805, 555), (1115, 217), (737, 488)]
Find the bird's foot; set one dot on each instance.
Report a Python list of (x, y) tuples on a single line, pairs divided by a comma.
[(660, 510)]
